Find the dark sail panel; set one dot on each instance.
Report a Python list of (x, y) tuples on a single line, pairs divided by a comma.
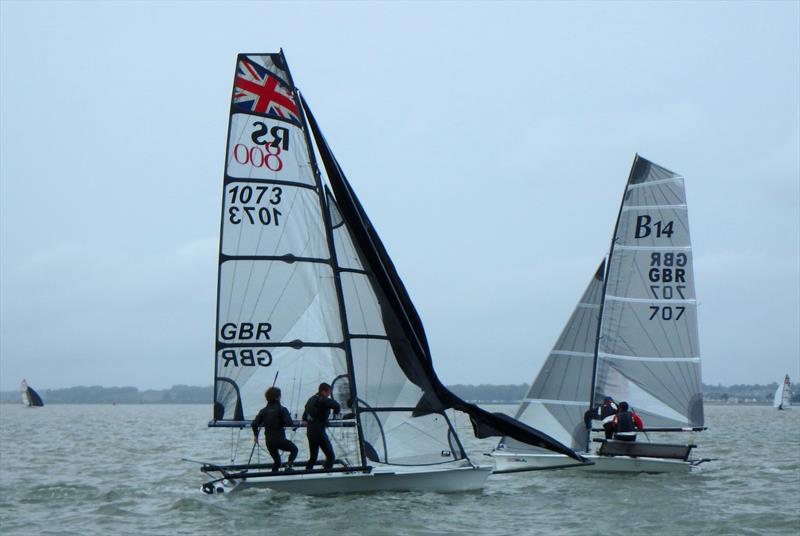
[(402, 322), (35, 399)]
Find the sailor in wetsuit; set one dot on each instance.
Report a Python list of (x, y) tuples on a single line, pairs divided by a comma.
[(316, 415), (274, 418), (626, 422), (604, 413)]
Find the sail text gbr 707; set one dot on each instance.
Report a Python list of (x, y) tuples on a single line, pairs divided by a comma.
[(307, 294), (632, 337)]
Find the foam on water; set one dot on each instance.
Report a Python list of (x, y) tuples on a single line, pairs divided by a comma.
[(98, 470)]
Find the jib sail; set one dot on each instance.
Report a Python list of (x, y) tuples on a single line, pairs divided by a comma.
[(558, 397)]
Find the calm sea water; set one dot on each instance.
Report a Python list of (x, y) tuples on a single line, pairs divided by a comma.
[(99, 470)]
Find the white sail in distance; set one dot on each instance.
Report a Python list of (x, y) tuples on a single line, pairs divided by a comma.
[(783, 395)]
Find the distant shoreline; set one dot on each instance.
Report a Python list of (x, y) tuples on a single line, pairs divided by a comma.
[(754, 395)]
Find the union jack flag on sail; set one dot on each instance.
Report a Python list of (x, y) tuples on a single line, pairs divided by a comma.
[(257, 90)]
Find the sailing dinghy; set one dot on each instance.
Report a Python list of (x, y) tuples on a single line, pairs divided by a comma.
[(307, 294), (30, 398), (783, 395), (633, 336)]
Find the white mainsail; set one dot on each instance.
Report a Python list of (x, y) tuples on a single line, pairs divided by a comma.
[(648, 352), (277, 309)]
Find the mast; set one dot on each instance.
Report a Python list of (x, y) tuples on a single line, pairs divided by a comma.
[(221, 241), (334, 264), (603, 294)]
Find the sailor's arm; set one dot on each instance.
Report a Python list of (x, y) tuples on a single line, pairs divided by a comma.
[(286, 418), (334, 405), (255, 425)]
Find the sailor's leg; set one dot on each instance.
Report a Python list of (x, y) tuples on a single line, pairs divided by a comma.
[(327, 448), (291, 448), (276, 456), (313, 449)]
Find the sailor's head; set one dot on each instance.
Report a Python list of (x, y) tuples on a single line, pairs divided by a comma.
[(273, 394), (324, 389), (607, 400), (623, 406)]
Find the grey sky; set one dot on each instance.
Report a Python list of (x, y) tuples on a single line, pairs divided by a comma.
[(489, 143)]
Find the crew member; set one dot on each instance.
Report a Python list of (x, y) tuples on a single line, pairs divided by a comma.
[(274, 417), (316, 415), (605, 413), (626, 423)]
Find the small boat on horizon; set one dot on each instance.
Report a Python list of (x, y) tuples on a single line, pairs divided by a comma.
[(783, 395), (30, 398)]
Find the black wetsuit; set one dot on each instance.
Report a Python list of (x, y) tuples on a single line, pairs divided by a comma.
[(316, 415), (604, 413), (274, 418)]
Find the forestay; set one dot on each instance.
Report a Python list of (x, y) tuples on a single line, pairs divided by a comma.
[(558, 398), (647, 351)]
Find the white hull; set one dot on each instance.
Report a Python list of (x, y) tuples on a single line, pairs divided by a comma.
[(416, 478), (510, 461)]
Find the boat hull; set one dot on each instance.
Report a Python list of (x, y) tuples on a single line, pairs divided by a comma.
[(443, 480), (510, 462)]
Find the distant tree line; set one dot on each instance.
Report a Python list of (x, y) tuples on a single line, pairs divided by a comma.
[(484, 393), (95, 394)]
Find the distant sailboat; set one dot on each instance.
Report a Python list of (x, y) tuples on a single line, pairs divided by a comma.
[(633, 336), (30, 397), (306, 289), (783, 395)]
